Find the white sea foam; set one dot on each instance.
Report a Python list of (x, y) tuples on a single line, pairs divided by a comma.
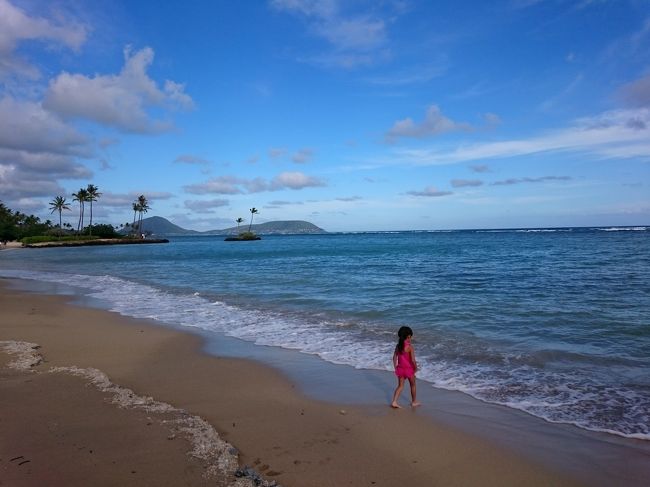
[(26, 354), (219, 456), (624, 229), (507, 380)]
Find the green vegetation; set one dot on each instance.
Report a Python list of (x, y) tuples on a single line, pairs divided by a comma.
[(81, 196), (29, 229), (140, 206), (59, 204), (248, 236), (253, 212), (93, 195), (15, 225), (101, 230), (45, 238)]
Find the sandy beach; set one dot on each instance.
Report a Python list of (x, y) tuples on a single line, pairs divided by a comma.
[(106, 400)]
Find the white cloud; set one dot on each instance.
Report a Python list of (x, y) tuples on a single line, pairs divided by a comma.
[(44, 165), (616, 133), (317, 8), (463, 183), (204, 206), (360, 34), (119, 101), (17, 26), (125, 200), (355, 40), (275, 152), (27, 126), (480, 168), (302, 156), (29, 205), (218, 185), (284, 203), (511, 181), (190, 159), (409, 77), (429, 192), (492, 119), (36, 149), (118, 200), (637, 93), (234, 185), (294, 180), (434, 123), (561, 97), (16, 183)]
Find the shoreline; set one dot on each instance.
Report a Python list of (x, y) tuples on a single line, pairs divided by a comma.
[(99, 241), (261, 412)]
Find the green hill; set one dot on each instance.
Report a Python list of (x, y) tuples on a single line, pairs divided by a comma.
[(290, 227), (156, 225)]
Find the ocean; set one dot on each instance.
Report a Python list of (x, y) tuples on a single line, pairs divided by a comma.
[(553, 322)]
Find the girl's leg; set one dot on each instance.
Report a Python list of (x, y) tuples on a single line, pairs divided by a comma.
[(414, 401), (398, 391)]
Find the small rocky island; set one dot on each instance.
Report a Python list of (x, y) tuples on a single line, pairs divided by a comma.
[(243, 237)]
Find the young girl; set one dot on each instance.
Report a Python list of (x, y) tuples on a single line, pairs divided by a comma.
[(405, 365)]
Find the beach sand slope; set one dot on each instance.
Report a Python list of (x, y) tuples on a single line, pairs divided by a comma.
[(54, 419)]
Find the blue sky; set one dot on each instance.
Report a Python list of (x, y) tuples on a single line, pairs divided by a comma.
[(354, 115)]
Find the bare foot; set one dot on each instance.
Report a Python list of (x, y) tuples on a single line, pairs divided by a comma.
[(394, 405), (416, 404)]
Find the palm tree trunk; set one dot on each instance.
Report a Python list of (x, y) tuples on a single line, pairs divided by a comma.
[(91, 217), (79, 222)]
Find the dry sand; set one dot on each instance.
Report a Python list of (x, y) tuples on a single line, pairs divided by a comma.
[(10, 245), (57, 428)]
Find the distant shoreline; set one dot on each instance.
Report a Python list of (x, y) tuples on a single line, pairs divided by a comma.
[(101, 241)]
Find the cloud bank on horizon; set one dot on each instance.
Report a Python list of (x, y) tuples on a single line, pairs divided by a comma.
[(352, 115)]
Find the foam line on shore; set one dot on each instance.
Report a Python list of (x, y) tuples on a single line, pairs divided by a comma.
[(25, 355), (220, 458)]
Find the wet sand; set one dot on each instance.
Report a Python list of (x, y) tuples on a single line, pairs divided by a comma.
[(52, 420)]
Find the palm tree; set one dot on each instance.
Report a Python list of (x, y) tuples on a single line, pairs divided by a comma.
[(253, 211), (239, 220), (143, 207), (59, 204), (81, 196), (93, 195), (136, 208)]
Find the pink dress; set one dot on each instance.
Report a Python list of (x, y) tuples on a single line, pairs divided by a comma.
[(405, 368)]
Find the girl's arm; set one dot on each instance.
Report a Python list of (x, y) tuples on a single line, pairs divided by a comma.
[(395, 359), (412, 356)]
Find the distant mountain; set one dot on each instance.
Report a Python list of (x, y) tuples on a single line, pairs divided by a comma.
[(157, 225), (289, 227)]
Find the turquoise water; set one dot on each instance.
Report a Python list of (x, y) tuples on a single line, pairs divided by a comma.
[(553, 322)]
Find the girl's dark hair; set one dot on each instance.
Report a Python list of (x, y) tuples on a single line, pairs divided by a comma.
[(403, 333)]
